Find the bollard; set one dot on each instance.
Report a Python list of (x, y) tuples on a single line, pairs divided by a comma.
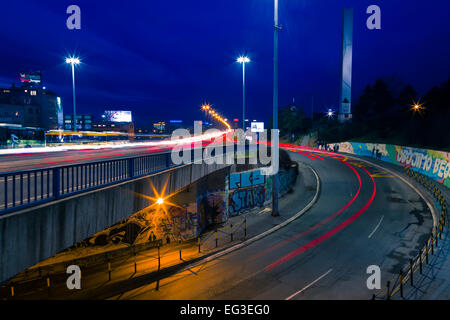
[(388, 293), (109, 270), (180, 256), (420, 262), (48, 285), (12, 289), (373, 297), (401, 283), (245, 227), (135, 263), (159, 260), (432, 245), (157, 285), (217, 239), (411, 272), (198, 239), (426, 252), (231, 232)]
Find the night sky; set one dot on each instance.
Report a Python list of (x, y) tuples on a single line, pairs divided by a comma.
[(163, 58)]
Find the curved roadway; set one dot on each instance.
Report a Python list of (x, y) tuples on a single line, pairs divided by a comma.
[(363, 217)]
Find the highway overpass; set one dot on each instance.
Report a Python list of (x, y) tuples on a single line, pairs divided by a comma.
[(58, 199)]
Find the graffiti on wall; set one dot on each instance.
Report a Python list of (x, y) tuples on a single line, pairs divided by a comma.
[(246, 179), (432, 163), (175, 223), (257, 190), (212, 206), (243, 199)]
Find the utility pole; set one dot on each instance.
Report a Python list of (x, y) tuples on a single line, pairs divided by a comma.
[(275, 147)]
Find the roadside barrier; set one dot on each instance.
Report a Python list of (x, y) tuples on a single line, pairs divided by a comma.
[(406, 273)]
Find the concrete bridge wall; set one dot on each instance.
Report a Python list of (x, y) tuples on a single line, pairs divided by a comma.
[(32, 235)]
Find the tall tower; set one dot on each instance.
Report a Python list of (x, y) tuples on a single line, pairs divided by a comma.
[(345, 106)]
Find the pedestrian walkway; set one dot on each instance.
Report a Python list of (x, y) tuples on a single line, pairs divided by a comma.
[(111, 276)]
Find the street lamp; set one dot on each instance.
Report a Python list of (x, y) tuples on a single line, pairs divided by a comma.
[(243, 60), (275, 155), (73, 61), (417, 106)]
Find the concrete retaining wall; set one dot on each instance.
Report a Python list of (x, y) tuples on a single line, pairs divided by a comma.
[(32, 235)]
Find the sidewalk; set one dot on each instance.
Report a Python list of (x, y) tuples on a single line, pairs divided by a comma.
[(121, 274), (434, 281)]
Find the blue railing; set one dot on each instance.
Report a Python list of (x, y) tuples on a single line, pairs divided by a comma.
[(22, 189)]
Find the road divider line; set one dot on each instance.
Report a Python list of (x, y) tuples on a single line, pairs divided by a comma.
[(309, 285), (376, 228)]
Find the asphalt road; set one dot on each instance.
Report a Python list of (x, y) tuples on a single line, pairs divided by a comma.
[(363, 217)]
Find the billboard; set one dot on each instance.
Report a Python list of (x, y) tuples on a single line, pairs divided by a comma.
[(31, 78), (257, 127), (117, 116)]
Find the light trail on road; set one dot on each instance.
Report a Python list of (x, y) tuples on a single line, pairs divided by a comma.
[(321, 223), (327, 235)]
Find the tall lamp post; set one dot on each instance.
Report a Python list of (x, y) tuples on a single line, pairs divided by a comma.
[(243, 60), (73, 62), (275, 188)]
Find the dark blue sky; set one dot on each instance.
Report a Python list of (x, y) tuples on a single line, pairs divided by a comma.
[(163, 58)]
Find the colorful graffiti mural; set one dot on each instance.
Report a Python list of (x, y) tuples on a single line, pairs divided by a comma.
[(432, 163), (246, 179), (244, 199), (212, 206), (175, 223), (257, 190)]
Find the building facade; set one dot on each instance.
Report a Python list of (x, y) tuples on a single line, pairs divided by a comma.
[(30, 107)]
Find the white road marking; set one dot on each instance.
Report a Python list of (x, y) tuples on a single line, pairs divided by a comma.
[(370, 235), (309, 285), (264, 211)]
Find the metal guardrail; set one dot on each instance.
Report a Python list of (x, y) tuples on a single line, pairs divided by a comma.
[(22, 189), (406, 273)]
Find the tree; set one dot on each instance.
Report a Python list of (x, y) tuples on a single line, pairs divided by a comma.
[(407, 96)]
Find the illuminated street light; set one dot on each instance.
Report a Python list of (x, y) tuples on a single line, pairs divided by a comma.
[(330, 113), (417, 106), (243, 60), (214, 115), (160, 201), (73, 61)]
